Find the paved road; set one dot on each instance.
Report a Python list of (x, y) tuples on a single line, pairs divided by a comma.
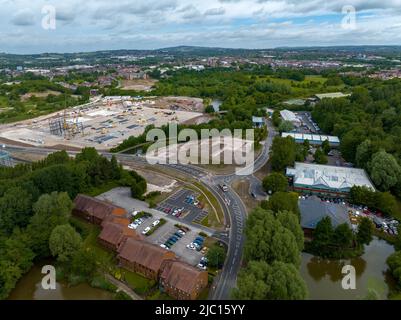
[(234, 209)]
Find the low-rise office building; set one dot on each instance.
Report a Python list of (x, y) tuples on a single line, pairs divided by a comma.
[(313, 210), (326, 180)]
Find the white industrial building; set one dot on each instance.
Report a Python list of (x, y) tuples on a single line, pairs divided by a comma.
[(326, 180), (287, 115), (314, 139)]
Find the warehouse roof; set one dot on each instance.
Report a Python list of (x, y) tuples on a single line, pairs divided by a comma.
[(310, 137), (331, 177), (332, 95), (289, 116)]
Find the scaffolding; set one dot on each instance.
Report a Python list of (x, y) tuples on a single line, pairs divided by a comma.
[(68, 128), (5, 159)]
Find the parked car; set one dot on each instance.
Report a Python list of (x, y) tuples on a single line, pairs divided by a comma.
[(168, 244), (155, 223), (146, 230), (204, 250), (173, 239), (202, 266), (133, 226), (134, 213), (164, 246), (191, 246)]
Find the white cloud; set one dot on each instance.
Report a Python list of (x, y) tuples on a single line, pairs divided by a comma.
[(104, 24)]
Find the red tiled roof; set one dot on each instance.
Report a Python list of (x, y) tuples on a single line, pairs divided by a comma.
[(180, 275), (143, 253), (95, 207)]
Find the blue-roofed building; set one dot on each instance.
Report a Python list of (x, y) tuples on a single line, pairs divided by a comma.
[(258, 122), (313, 210)]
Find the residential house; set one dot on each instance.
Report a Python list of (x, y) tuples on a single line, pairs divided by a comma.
[(143, 258), (115, 233), (94, 210), (182, 281)]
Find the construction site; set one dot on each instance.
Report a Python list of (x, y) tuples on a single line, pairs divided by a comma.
[(103, 123)]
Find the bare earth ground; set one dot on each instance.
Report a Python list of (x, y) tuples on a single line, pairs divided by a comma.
[(138, 85), (43, 94), (241, 187)]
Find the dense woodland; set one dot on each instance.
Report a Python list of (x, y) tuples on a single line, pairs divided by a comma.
[(36, 199), (272, 252), (369, 127)]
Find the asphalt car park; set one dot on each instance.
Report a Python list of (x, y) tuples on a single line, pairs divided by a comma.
[(170, 235), (184, 205), (309, 125)]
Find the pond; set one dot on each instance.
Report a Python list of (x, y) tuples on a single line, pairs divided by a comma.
[(323, 277), (30, 288)]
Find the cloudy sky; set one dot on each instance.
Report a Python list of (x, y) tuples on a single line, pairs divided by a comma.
[(149, 24)]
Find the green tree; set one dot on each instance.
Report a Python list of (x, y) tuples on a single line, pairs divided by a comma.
[(365, 230), (342, 236), (84, 263), (15, 209), (322, 237), (284, 201), (326, 146), (64, 243), (363, 154), (50, 210), (216, 256), (291, 222), (269, 240), (276, 118), (306, 145), (283, 153), (320, 157), (394, 263), (278, 281), (384, 170), (275, 182), (209, 109), (286, 126), (350, 142)]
